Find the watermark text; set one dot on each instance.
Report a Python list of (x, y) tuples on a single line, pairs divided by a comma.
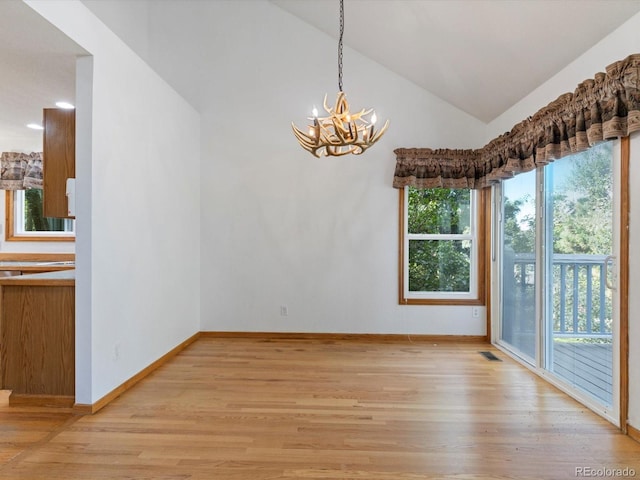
[(604, 472)]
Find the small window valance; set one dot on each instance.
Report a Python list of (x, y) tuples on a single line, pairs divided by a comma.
[(602, 108), (19, 171)]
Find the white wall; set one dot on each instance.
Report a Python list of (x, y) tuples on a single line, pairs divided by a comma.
[(127, 19), (138, 274), (617, 46), (280, 227)]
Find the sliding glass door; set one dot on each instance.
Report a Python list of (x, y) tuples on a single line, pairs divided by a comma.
[(557, 270), (579, 265), (518, 280)]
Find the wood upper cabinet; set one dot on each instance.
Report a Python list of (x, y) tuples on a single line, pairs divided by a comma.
[(58, 159)]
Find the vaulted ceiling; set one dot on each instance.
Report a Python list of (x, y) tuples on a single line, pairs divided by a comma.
[(482, 56), (479, 55)]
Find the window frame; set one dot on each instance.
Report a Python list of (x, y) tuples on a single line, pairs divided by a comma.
[(10, 226), (476, 296)]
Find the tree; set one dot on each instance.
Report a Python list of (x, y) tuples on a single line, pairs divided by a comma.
[(519, 230), (34, 221), (582, 224), (439, 265), (582, 220)]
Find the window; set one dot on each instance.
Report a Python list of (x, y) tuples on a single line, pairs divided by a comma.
[(440, 252), (25, 223)]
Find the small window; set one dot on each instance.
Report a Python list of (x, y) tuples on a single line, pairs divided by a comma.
[(25, 223), (440, 251)]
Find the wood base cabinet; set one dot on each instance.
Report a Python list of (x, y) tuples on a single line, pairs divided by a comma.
[(37, 342)]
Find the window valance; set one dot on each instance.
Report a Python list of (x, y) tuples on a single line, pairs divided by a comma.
[(19, 171), (602, 108)]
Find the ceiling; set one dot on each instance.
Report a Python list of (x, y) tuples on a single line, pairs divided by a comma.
[(482, 56), (479, 55), (37, 69)]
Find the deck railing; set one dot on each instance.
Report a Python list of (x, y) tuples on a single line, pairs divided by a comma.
[(581, 304)]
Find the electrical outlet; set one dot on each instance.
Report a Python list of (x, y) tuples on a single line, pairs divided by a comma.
[(284, 310), (475, 312)]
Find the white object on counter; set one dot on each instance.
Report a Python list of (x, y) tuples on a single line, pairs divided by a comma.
[(71, 197)]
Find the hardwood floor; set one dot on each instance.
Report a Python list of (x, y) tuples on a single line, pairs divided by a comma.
[(255, 409), (22, 429)]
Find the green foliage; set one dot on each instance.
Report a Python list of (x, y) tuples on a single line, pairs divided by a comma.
[(582, 225), (582, 220), (34, 221), (519, 230), (439, 210), (439, 265)]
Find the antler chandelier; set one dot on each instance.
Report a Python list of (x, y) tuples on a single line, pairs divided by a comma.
[(342, 132)]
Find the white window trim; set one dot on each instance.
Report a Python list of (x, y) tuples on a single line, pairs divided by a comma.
[(472, 294), (18, 221)]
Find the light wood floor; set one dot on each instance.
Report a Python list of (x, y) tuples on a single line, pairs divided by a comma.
[(241, 409)]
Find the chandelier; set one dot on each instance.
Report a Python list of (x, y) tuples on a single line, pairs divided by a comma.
[(341, 132)]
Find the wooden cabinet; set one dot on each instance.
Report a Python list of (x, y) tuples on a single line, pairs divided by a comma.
[(37, 338), (59, 159)]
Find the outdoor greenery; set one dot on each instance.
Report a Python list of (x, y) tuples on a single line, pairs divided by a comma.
[(581, 213), (519, 229), (582, 227), (580, 189), (439, 265), (34, 221), (582, 220)]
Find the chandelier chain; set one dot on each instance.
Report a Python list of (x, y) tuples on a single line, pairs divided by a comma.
[(340, 45)]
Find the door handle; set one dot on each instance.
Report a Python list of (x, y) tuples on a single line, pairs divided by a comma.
[(609, 260)]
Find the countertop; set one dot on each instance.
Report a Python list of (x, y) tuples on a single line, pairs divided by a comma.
[(30, 266), (60, 278)]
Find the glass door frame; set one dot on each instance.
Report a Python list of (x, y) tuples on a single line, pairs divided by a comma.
[(617, 413), (497, 260)]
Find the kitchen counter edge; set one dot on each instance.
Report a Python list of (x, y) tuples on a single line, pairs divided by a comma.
[(61, 278)]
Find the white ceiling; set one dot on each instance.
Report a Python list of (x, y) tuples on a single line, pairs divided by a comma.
[(482, 56), (37, 68)]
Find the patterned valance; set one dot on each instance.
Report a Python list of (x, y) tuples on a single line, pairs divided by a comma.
[(602, 108), (20, 170)]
